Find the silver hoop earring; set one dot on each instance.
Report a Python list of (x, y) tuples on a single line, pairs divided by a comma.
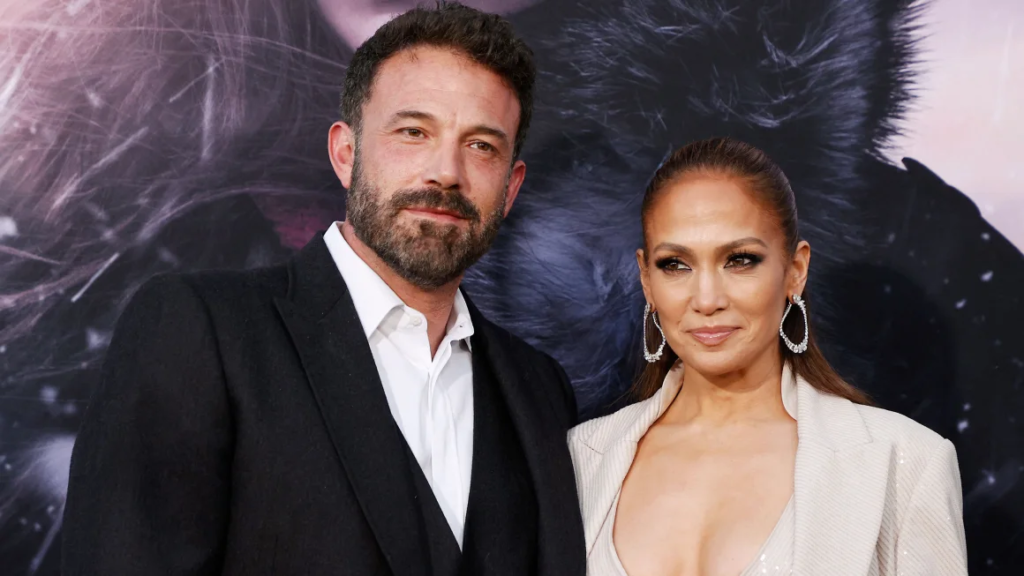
[(801, 347), (652, 358)]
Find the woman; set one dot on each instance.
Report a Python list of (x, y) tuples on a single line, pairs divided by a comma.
[(748, 454)]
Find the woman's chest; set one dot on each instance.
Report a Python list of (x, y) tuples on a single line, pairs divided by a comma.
[(698, 512)]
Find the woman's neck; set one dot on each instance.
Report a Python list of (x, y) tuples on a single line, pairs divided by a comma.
[(751, 394)]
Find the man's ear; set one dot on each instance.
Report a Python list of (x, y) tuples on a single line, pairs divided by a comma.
[(515, 181), (341, 146)]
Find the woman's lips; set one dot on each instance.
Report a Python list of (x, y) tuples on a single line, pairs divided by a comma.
[(712, 336)]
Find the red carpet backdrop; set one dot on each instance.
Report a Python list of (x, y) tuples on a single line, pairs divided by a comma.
[(146, 136)]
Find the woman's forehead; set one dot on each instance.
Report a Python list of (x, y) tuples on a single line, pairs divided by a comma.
[(706, 207)]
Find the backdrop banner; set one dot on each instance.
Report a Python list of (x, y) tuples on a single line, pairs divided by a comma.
[(148, 136)]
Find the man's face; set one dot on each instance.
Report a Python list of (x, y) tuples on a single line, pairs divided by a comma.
[(430, 172)]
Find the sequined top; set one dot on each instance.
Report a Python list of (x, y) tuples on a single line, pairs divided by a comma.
[(775, 556)]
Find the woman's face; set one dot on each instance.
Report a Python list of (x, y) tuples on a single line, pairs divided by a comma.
[(717, 271)]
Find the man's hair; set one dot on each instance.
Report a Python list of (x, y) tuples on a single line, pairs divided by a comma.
[(486, 39)]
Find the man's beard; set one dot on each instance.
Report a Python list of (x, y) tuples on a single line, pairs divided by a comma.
[(431, 254)]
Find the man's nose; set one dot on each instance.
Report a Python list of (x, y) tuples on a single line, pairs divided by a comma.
[(445, 168)]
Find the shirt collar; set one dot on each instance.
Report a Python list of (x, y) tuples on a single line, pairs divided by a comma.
[(460, 326), (374, 299)]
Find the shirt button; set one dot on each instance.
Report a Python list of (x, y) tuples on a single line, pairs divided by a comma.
[(414, 321)]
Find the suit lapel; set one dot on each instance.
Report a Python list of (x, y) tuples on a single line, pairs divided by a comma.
[(543, 444), (614, 445), (339, 365), (612, 470), (841, 478)]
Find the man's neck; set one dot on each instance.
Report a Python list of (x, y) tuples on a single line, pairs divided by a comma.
[(436, 304)]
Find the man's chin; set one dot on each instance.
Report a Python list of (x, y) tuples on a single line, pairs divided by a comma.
[(422, 272)]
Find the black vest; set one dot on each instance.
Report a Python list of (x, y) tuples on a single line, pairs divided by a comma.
[(501, 520)]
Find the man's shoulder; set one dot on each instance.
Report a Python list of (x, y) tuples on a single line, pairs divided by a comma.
[(512, 344), (217, 287), (538, 367)]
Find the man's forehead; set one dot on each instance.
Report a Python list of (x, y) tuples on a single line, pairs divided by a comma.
[(441, 82)]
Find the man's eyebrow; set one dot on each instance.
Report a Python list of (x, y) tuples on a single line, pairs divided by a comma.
[(491, 131), (410, 115)]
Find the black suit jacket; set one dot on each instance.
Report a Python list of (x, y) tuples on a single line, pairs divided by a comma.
[(241, 428)]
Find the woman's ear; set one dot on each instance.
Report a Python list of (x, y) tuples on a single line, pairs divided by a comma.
[(645, 280), (798, 268)]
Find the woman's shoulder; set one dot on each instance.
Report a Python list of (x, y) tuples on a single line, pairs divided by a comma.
[(926, 491), (608, 426), (912, 447), (900, 430), (917, 451)]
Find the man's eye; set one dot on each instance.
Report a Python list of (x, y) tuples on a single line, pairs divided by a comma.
[(484, 146), (414, 132)]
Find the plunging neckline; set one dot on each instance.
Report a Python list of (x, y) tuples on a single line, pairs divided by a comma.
[(773, 557)]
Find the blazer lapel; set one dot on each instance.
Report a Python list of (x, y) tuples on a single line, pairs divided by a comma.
[(543, 444), (840, 485), (339, 365), (614, 446), (612, 470)]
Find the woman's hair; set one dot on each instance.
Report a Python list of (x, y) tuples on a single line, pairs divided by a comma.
[(766, 183)]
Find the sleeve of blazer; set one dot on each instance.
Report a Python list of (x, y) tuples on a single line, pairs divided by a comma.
[(148, 489), (931, 536)]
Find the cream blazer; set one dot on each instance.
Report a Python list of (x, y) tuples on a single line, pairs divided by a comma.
[(874, 492)]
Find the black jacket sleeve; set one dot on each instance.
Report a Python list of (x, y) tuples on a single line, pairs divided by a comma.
[(149, 486)]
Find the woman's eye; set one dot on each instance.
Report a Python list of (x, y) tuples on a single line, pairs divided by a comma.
[(672, 265), (743, 260)]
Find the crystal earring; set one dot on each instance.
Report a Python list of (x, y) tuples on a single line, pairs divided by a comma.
[(652, 358), (802, 346)]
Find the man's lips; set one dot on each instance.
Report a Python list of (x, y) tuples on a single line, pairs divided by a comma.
[(436, 214), (712, 335)]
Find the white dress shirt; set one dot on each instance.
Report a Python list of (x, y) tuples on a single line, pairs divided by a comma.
[(431, 398)]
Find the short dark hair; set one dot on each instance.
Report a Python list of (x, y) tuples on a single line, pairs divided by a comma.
[(487, 39)]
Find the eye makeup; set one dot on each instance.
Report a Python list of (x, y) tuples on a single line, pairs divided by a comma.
[(736, 260)]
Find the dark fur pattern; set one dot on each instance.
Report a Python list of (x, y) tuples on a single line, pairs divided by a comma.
[(818, 85)]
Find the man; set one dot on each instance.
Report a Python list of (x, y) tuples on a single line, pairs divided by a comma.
[(350, 412)]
